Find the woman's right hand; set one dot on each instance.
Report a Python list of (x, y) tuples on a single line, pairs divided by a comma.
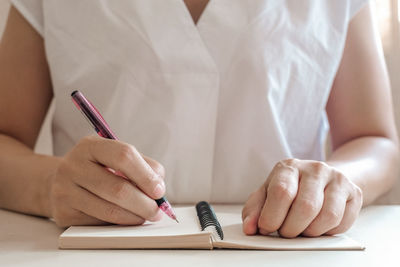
[(84, 192)]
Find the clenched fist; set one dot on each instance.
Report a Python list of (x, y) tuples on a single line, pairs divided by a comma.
[(302, 197)]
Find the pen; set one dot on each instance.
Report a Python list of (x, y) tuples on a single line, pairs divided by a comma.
[(100, 125)]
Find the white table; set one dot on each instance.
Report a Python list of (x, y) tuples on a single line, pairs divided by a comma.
[(31, 241)]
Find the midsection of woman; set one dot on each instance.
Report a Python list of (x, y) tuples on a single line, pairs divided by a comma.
[(254, 74), (218, 102)]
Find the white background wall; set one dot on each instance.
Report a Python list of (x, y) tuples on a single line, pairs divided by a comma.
[(393, 61)]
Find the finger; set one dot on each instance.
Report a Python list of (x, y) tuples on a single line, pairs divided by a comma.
[(306, 205), (101, 209), (79, 218), (331, 213), (251, 211), (156, 166), (125, 158), (118, 191), (351, 212), (67, 216), (281, 192)]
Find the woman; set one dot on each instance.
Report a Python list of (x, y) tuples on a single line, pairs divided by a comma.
[(229, 96)]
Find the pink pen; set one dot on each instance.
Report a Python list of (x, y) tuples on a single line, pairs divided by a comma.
[(100, 125)]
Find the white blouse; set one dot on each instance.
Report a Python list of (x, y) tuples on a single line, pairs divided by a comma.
[(217, 103)]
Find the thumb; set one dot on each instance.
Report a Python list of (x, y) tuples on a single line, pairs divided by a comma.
[(252, 210)]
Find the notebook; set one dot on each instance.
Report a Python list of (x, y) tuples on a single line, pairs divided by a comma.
[(199, 227)]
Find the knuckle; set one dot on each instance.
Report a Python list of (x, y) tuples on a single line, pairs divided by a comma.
[(121, 190), (149, 182), (318, 167), (332, 218), (279, 165), (340, 179), (314, 179), (282, 191), (289, 162), (125, 155), (287, 166), (308, 207), (159, 169), (112, 214)]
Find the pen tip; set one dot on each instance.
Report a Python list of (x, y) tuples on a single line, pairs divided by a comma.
[(176, 220)]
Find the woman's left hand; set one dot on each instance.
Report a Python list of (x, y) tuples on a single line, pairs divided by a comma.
[(302, 197)]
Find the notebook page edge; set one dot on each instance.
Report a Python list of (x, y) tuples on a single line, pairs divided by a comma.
[(235, 238), (195, 241)]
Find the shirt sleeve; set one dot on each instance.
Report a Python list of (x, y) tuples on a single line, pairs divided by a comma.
[(356, 5), (32, 10)]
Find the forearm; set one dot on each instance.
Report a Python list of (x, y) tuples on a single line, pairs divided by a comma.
[(370, 162), (25, 178)]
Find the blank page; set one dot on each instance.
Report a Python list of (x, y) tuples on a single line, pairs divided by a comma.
[(166, 233), (235, 238)]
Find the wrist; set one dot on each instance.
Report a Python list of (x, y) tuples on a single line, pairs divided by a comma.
[(44, 202)]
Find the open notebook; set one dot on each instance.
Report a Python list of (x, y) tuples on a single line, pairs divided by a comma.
[(199, 228)]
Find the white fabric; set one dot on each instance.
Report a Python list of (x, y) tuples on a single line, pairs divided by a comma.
[(218, 104)]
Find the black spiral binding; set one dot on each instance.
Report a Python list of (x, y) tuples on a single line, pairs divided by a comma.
[(207, 217)]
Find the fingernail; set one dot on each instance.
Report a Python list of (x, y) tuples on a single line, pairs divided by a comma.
[(246, 228), (246, 220), (159, 190)]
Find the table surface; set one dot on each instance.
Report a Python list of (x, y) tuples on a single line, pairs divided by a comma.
[(32, 241)]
